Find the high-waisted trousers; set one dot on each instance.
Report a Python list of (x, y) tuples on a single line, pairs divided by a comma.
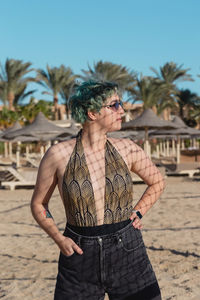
[(114, 261)]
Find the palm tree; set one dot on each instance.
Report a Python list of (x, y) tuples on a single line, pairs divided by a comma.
[(13, 81), (170, 74), (67, 89), (55, 79), (8, 117), (20, 93), (194, 116), (186, 100), (3, 92), (29, 111), (107, 71), (149, 90)]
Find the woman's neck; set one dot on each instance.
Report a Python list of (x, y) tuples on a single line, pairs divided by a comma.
[(93, 138)]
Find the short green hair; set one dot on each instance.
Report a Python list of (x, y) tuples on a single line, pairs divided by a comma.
[(90, 96)]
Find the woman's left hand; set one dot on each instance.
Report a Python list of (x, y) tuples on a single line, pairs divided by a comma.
[(136, 221)]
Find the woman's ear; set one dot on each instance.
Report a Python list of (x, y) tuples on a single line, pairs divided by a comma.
[(92, 115)]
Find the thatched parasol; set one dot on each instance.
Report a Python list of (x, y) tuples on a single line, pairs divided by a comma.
[(16, 126), (7, 143), (41, 128), (148, 120), (182, 129), (179, 122)]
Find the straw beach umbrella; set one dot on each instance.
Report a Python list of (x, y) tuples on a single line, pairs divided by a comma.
[(182, 131), (173, 134), (19, 140), (148, 120), (41, 128), (189, 130), (69, 132), (7, 144), (16, 126)]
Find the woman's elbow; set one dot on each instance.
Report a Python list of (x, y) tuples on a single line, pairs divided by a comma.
[(33, 208), (162, 183)]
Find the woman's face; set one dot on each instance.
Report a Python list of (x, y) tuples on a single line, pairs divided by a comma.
[(111, 114)]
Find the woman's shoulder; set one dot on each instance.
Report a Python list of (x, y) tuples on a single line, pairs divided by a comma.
[(61, 150)]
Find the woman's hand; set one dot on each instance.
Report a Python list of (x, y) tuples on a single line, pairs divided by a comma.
[(68, 247), (136, 221)]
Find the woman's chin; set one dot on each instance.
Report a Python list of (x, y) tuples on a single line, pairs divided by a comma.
[(115, 128)]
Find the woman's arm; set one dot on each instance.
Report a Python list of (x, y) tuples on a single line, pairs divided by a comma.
[(144, 167), (45, 185)]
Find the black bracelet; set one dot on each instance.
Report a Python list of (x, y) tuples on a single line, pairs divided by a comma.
[(138, 213)]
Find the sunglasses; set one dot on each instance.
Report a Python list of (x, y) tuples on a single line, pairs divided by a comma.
[(114, 106)]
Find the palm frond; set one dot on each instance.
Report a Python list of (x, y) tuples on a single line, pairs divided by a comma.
[(107, 71), (13, 74)]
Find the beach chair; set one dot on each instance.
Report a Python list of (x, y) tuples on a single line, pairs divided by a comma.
[(174, 169), (7, 161), (23, 177), (189, 169), (33, 162)]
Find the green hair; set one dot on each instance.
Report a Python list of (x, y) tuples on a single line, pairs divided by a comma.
[(90, 96)]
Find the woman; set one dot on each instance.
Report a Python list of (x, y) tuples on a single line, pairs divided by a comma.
[(102, 249)]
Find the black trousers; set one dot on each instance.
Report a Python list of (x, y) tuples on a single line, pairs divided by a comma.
[(115, 263)]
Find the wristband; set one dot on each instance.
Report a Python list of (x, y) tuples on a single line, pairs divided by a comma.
[(138, 213)]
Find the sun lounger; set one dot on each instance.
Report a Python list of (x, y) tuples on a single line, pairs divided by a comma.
[(24, 178), (174, 169), (7, 161), (32, 162), (164, 160), (189, 169)]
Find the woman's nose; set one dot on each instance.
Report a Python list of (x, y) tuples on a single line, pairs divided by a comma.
[(121, 110)]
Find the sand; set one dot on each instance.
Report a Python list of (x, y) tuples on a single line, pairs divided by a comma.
[(28, 258)]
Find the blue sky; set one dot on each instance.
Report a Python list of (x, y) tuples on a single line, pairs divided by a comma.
[(136, 34)]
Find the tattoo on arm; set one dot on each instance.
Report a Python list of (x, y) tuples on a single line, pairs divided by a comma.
[(47, 214)]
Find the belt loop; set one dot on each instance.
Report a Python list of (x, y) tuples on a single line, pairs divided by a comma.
[(79, 241)]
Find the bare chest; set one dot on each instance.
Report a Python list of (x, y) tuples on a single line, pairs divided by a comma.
[(96, 167)]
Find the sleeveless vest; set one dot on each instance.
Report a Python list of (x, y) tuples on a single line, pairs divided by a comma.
[(78, 194)]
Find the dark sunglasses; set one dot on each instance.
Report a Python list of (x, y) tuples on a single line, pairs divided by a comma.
[(114, 106)]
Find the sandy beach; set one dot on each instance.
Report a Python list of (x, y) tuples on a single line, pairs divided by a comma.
[(28, 258)]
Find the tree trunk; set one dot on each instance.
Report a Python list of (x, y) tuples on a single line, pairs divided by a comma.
[(11, 98), (186, 111), (181, 111), (154, 108), (67, 111), (55, 100), (166, 113)]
